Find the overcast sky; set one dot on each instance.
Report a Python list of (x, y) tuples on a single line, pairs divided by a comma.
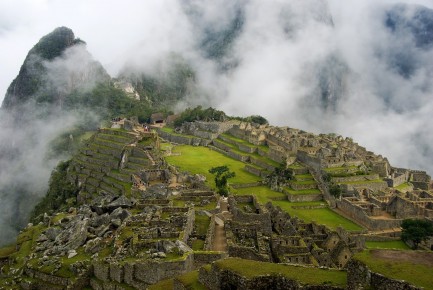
[(276, 74)]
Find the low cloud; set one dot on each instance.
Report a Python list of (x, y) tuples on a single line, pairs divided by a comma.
[(322, 66), (27, 135)]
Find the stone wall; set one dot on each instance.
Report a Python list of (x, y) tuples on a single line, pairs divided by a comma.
[(260, 217), (403, 208), (210, 234), (221, 279), (276, 154), (237, 156), (204, 258), (187, 140), (357, 213), (279, 142), (373, 186), (189, 225), (254, 170), (247, 136), (141, 274), (304, 197), (214, 127), (309, 160), (248, 253), (355, 178), (360, 277), (300, 186), (245, 185), (263, 164), (175, 138)]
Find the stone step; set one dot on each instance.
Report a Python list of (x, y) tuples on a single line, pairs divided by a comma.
[(116, 138), (110, 189), (108, 143)]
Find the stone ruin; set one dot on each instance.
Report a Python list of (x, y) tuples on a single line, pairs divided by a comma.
[(271, 235)]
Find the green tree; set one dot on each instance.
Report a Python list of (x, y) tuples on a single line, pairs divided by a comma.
[(416, 231), (59, 192), (257, 119), (222, 175), (335, 190), (279, 177)]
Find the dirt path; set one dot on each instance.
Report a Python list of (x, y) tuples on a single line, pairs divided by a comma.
[(425, 258), (219, 242)]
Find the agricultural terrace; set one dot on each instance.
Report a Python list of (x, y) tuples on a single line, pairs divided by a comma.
[(398, 244), (414, 267), (305, 275), (198, 160)]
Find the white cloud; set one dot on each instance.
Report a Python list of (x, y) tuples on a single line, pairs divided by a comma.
[(282, 46)]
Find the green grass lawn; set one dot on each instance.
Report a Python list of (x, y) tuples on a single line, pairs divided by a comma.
[(304, 182), (303, 191), (200, 159), (188, 280), (320, 215), (263, 193), (305, 275), (202, 224), (400, 245), (198, 245), (193, 158), (238, 140), (419, 274), (256, 156), (404, 186), (304, 177), (162, 285), (8, 250)]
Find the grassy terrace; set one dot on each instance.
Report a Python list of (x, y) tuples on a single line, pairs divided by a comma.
[(403, 186), (305, 275), (361, 181), (400, 245), (238, 140), (303, 191), (304, 182), (295, 166), (263, 193), (320, 215), (188, 280), (304, 177), (336, 169), (171, 131), (192, 159), (235, 149), (411, 266), (198, 160), (246, 143)]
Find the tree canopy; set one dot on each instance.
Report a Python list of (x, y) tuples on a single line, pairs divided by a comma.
[(222, 175), (416, 231)]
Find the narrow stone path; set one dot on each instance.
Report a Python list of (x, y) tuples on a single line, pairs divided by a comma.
[(220, 240)]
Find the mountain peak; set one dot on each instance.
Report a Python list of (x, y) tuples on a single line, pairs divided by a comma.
[(29, 79), (54, 43)]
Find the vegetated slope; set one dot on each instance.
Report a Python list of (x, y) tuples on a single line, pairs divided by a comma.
[(162, 86), (48, 74), (60, 95)]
